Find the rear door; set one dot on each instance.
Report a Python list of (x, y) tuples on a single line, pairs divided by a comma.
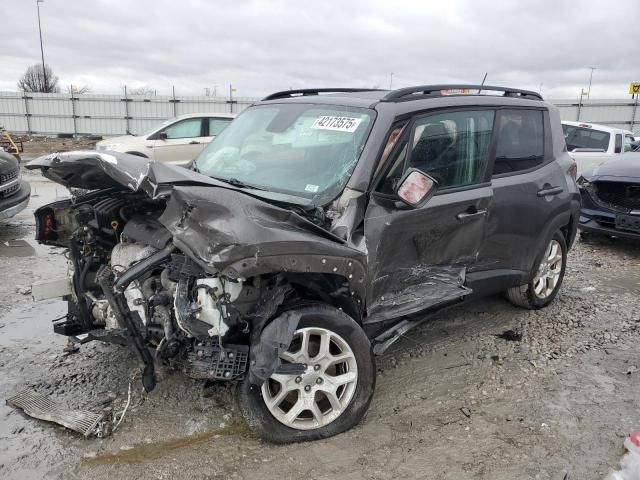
[(418, 256), (529, 194), (185, 140), (213, 126)]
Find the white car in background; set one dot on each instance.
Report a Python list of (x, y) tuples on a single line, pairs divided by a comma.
[(178, 140), (591, 144)]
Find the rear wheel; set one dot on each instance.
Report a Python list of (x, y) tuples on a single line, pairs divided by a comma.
[(333, 393), (544, 287)]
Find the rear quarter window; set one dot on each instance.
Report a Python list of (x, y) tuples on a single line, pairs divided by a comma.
[(520, 144), (581, 137)]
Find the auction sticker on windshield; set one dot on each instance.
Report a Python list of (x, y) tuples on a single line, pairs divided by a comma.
[(339, 124)]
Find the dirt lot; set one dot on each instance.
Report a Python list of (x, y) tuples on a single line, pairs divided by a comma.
[(454, 400), (36, 145)]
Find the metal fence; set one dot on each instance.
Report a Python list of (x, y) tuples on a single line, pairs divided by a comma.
[(88, 114), (614, 113)]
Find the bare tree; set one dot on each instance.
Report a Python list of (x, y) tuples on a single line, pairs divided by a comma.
[(76, 90), (144, 90), (33, 80)]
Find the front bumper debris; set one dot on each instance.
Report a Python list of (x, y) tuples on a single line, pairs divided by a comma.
[(38, 406)]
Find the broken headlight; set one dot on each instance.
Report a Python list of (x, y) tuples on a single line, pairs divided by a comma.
[(583, 182)]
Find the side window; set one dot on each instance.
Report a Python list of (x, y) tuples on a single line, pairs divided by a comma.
[(618, 147), (217, 125), (520, 141), (188, 128), (452, 147), (628, 143), (583, 137)]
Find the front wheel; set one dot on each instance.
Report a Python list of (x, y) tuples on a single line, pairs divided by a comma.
[(544, 287), (333, 393)]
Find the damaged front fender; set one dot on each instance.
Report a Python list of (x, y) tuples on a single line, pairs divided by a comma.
[(241, 237)]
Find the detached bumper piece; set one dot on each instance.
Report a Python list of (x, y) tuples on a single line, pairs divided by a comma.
[(209, 361), (38, 406)]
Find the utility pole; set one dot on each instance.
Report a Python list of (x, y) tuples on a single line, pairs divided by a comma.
[(590, 79), (582, 94), (231, 101), (44, 70), (391, 81)]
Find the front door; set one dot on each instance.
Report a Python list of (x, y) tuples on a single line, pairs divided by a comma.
[(184, 140), (418, 257)]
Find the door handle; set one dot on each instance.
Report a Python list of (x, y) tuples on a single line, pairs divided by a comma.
[(464, 216), (194, 143), (549, 191)]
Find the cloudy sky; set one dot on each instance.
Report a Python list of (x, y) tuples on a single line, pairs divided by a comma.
[(263, 46)]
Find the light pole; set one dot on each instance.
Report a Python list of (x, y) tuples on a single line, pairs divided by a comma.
[(44, 70), (590, 78), (391, 81)]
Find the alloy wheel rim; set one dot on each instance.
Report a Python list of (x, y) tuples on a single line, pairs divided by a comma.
[(326, 388), (548, 274)]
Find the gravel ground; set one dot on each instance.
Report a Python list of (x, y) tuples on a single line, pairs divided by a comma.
[(456, 398)]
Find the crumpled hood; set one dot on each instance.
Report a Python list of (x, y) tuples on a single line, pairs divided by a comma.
[(214, 223), (91, 170), (625, 166)]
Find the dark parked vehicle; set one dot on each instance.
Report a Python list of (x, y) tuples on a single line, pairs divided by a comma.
[(611, 198), (304, 238), (14, 192)]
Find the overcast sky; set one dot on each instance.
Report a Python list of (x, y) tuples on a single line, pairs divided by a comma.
[(264, 46)]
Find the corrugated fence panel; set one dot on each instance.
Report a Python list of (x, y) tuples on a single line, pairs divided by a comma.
[(52, 113), (154, 108), (619, 113), (12, 112)]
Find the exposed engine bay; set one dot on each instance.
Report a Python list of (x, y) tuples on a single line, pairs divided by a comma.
[(120, 255)]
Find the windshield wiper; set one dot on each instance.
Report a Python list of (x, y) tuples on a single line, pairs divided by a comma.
[(238, 183)]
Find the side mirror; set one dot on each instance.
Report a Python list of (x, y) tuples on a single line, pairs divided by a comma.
[(162, 136), (416, 187)]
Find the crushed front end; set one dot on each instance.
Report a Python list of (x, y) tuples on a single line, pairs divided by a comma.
[(131, 286)]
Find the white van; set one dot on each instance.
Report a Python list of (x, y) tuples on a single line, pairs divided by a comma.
[(591, 144)]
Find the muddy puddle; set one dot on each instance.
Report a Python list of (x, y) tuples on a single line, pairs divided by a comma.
[(151, 451)]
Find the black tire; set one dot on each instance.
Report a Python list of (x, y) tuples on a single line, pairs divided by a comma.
[(524, 295), (261, 420)]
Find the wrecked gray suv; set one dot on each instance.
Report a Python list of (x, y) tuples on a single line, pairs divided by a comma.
[(311, 234)]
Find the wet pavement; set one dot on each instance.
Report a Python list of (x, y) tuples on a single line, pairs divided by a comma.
[(455, 398)]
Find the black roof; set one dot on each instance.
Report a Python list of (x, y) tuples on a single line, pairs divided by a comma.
[(367, 98)]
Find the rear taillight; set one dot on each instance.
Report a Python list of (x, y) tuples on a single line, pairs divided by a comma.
[(572, 171), (47, 226)]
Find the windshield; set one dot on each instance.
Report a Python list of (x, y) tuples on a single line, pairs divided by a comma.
[(303, 150)]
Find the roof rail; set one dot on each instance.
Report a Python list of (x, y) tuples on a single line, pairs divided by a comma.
[(411, 93), (314, 91)]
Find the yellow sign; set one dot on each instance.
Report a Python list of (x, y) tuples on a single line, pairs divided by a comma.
[(634, 87)]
